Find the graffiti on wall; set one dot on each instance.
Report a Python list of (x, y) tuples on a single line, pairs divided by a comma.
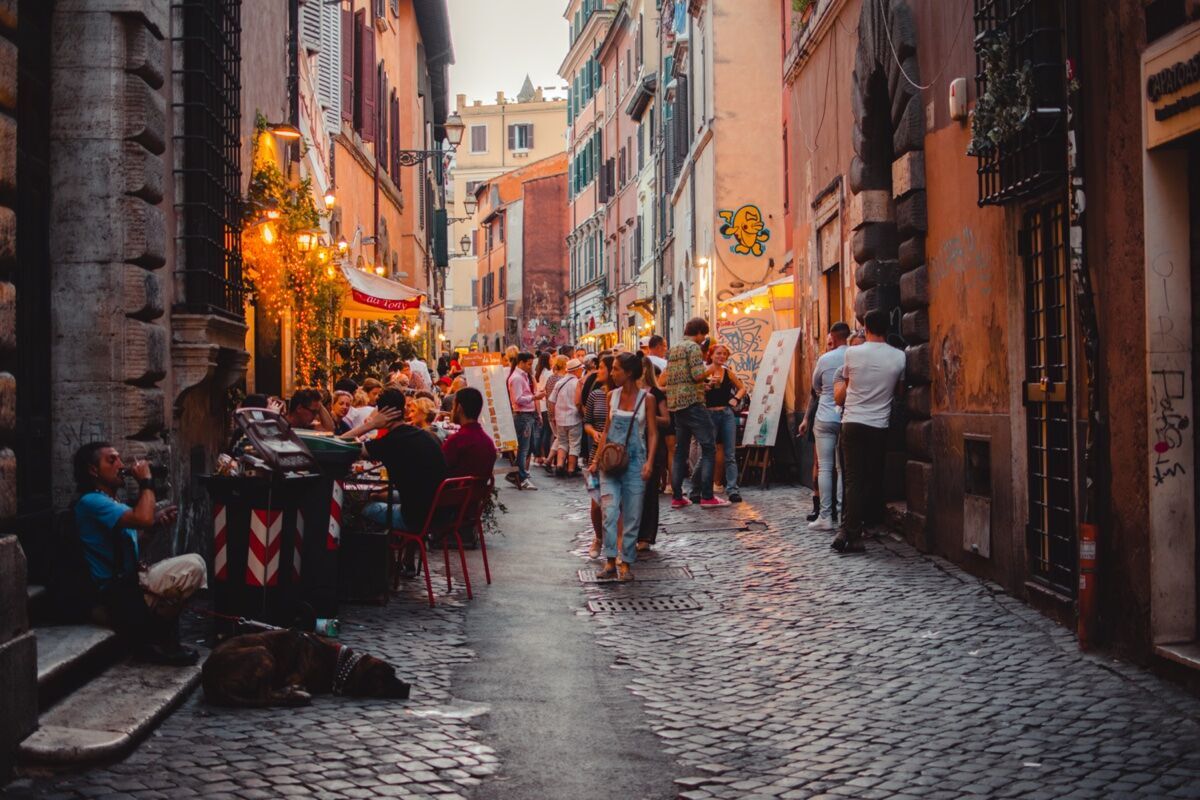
[(747, 230), (1168, 391), (746, 339)]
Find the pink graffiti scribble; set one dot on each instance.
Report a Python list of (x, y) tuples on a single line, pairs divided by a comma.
[(1161, 447)]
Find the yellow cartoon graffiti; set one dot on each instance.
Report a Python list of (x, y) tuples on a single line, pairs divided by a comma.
[(745, 227)]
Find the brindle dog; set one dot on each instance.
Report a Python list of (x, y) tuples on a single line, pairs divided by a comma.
[(286, 668)]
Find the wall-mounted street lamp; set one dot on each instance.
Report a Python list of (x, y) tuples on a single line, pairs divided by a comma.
[(330, 199), (454, 128), (465, 244), (284, 130), (306, 240)]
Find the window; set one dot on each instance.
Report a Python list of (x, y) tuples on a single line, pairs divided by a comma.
[(628, 68), (500, 227), (479, 139), (500, 282), (490, 229), (211, 157), (520, 136)]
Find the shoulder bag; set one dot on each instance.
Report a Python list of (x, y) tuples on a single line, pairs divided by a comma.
[(614, 458)]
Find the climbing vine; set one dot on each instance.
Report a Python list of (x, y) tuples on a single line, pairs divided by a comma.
[(291, 274), (1004, 109)]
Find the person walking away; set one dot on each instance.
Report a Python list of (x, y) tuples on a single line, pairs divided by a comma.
[(686, 373), (541, 440), (648, 526), (558, 370), (595, 417), (622, 490), (522, 397), (873, 374), (568, 418), (827, 427), (724, 392)]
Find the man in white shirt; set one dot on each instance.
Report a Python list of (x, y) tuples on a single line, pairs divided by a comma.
[(874, 372), (567, 419)]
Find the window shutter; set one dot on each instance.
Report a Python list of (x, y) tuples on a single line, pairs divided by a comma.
[(529, 136), (370, 86), (512, 137), (310, 26), (396, 144), (329, 61), (348, 65), (384, 149)]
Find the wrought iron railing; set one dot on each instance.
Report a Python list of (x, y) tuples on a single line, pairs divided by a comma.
[(211, 207), (1032, 157)]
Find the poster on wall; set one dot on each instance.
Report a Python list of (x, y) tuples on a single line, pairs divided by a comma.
[(770, 386), (746, 337), (487, 373)]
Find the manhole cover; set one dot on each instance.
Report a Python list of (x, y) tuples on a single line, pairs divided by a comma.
[(636, 604), (644, 574)]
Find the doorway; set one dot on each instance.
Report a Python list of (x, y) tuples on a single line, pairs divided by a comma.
[(1050, 535)]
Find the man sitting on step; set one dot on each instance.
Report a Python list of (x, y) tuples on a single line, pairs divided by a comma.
[(141, 602)]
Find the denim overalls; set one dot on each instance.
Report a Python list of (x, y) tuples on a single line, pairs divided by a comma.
[(621, 495)]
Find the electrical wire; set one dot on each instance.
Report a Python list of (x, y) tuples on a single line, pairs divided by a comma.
[(896, 55)]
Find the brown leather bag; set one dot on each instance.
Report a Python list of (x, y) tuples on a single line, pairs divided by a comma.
[(613, 458)]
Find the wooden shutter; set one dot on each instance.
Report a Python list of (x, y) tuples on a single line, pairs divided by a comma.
[(384, 148), (370, 87), (512, 137), (529, 136), (310, 26), (348, 65), (328, 64), (396, 146)]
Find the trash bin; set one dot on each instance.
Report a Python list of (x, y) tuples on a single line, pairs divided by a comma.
[(257, 550), (322, 516)]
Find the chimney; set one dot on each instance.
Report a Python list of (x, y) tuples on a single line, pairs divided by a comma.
[(537, 95), (460, 101), (500, 98)]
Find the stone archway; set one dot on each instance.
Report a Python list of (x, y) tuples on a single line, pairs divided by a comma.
[(889, 219)]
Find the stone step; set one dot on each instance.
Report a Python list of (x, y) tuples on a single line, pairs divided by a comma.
[(70, 655), (106, 718)]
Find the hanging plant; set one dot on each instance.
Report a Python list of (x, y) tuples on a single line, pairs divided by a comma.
[(1006, 105), (286, 279), (377, 346)]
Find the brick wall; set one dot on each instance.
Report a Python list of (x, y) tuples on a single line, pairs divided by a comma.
[(545, 263)]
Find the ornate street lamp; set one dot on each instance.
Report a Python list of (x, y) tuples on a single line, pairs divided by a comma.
[(454, 128), (465, 244)]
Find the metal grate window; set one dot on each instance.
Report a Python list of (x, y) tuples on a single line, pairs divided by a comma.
[(1034, 157), (1051, 536), (211, 160)]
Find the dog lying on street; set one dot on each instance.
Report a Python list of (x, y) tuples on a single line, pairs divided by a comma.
[(286, 668)]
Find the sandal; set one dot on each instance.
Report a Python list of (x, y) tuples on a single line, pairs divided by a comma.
[(609, 572)]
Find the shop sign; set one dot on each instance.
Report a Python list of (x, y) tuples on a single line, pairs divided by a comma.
[(1172, 88)]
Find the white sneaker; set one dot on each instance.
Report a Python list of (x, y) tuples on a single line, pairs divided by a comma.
[(822, 524), (527, 485)]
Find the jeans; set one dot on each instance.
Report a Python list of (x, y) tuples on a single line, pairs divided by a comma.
[(524, 422), (694, 421), (828, 458), (725, 431), (621, 496), (864, 451), (648, 527), (545, 436), (376, 511)]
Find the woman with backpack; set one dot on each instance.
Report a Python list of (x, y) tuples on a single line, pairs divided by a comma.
[(624, 465)]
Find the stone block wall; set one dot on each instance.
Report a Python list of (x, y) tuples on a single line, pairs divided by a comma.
[(18, 647)]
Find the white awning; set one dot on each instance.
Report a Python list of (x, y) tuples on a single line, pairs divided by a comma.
[(382, 293), (603, 329)]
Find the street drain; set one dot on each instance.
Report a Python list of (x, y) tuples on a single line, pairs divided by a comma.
[(639, 604), (642, 574)]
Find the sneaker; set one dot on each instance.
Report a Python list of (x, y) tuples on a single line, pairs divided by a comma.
[(608, 572), (680, 502), (527, 485), (735, 498), (513, 478), (822, 524), (713, 502), (643, 547), (624, 573)]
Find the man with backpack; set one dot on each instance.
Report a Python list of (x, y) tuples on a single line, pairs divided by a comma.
[(142, 603)]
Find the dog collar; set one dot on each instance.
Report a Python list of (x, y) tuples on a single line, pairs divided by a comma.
[(347, 660)]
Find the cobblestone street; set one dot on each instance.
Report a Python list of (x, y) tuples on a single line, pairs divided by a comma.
[(769, 667)]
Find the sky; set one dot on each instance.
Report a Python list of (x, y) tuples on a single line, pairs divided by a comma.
[(496, 42)]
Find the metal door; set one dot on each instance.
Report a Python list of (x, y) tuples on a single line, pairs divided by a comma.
[(1051, 534)]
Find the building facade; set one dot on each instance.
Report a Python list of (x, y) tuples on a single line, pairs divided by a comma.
[(521, 267), (499, 138)]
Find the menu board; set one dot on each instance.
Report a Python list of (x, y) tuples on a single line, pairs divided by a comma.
[(770, 386), (488, 373), (746, 337)]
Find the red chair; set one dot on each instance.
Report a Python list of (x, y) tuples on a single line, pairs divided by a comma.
[(484, 489), (450, 506)]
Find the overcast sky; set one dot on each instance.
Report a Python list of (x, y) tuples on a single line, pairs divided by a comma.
[(496, 42)]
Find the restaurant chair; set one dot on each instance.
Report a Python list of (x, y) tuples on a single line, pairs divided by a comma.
[(446, 516), (484, 489)]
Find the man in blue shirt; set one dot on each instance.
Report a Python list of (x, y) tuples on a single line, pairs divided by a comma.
[(142, 603)]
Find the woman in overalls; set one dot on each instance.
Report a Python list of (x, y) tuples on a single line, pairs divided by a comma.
[(621, 495)]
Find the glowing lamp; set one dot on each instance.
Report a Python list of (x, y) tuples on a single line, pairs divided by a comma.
[(305, 240), (343, 245), (379, 270), (330, 199), (268, 233)]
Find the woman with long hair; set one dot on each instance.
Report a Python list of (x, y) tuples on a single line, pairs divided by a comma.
[(648, 528), (723, 392), (558, 369), (541, 439), (339, 406), (622, 489), (595, 417)]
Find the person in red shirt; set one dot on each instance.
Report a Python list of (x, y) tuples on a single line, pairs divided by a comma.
[(470, 452)]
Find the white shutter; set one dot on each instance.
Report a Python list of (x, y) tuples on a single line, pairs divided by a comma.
[(329, 64), (310, 24)]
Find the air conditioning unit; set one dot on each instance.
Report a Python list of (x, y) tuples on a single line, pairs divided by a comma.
[(381, 17)]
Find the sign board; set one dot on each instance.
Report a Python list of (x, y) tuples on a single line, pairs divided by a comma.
[(746, 337), (770, 386), (1171, 87), (488, 373)]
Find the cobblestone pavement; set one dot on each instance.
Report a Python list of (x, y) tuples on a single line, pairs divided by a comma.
[(335, 748), (805, 674)]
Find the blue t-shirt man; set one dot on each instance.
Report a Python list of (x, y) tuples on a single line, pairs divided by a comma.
[(96, 515)]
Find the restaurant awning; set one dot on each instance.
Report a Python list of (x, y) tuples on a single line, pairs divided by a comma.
[(603, 329), (761, 291), (381, 293)]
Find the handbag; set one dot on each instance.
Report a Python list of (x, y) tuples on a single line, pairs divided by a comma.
[(613, 458)]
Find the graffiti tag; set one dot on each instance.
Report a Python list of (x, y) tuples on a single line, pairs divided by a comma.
[(746, 339), (1167, 387)]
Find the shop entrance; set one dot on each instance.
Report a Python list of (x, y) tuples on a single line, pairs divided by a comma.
[(1050, 534)]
